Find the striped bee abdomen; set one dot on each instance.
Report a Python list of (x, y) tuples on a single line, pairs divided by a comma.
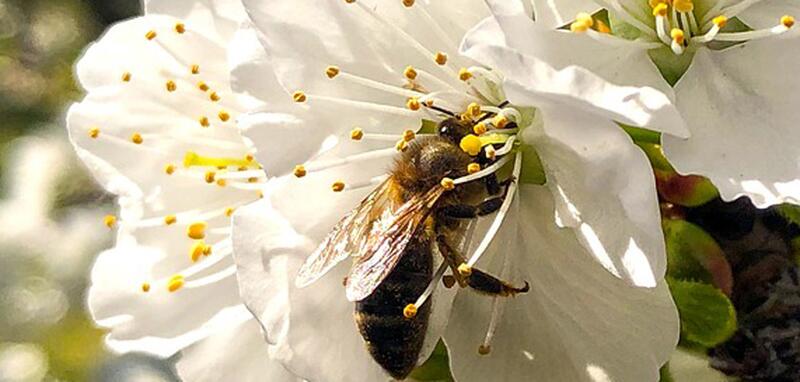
[(393, 340)]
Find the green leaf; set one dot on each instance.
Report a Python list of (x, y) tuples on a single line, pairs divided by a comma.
[(693, 254), (639, 134), (436, 368), (790, 212), (708, 317)]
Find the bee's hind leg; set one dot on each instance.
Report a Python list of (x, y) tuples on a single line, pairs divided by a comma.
[(466, 211), (474, 278)]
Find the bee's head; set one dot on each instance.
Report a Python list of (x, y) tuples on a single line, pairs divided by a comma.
[(454, 129)]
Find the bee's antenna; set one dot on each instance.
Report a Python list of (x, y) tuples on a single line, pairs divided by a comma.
[(441, 110)]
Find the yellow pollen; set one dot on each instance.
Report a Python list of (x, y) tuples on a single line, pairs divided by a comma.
[(677, 35), (474, 109), (224, 116), (300, 171), (473, 168), (202, 86), (196, 251), (440, 58), (408, 3), (429, 103), (401, 145), (579, 27), (410, 73), (175, 282), (197, 231), (252, 180), (195, 69), (145, 287), (500, 121), (464, 74), (137, 138), (229, 211), (720, 21), (169, 169), (204, 121), (180, 28), (110, 221), (410, 311), (448, 184), (210, 177), (602, 27), (126, 77), (171, 86), (94, 132), (479, 128), (464, 270), (222, 182), (484, 349), (413, 104), (409, 135), (337, 186), (332, 71), (787, 21), (213, 96), (471, 144), (660, 10), (150, 35), (356, 134), (299, 96), (170, 219), (655, 3), (207, 250), (585, 18), (683, 6), (249, 157)]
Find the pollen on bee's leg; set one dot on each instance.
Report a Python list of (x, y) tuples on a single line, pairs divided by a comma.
[(471, 144)]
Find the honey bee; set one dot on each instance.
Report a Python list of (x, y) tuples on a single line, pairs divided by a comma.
[(393, 235)]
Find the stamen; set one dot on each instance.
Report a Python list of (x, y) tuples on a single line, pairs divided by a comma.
[(479, 128), (170, 219), (428, 291), (486, 347), (137, 138), (150, 35), (110, 221), (338, 186), (448, 184), (437, 27), (464, 270), (369, 106), (211, 279), (410, 73), (195, 69), (126, 77), (365, 156), (473, 168), (171, 86), (464, 74), (192, 159), (678, 38), (175, 283), (204, 122), (356, 134), (203, 86), (333, 71), (224, 116), (413, 104), (169, 169), (145, 287), (440, 58), (94, 132), (786, 24), (299, 96), (197, 231), (197, 250), (180, 28), (719, 22), (300, 171)]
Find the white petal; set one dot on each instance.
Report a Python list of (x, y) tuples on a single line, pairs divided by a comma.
[(578, 322), (742, 108), (554, 14), (217, 19), (767, 13), (604, 189), (534, 82)]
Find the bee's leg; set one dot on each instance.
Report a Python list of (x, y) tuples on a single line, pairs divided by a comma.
[(476, 278), (466, 211)]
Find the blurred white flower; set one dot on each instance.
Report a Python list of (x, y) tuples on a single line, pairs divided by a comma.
[(736, 94), (365, 76), (157, 129), (22, 362)]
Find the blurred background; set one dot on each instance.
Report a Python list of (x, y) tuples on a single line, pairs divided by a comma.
[(51, 211)]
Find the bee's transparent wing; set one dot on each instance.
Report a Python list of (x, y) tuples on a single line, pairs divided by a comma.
[(387, 245), (349, 237)]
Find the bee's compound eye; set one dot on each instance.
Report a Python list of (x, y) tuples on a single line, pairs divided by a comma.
[(453, 130)]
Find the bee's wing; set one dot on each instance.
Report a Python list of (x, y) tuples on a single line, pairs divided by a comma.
[(388, 244), (348, 237)]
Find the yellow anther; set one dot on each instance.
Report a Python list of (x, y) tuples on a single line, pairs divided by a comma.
[(474, 109), (197, 249), (195, 69), (145, 287), (210, 177), (126, 77), (409, 135), (222, 182), (349, 1), (204, 122), (413, 104), (602, 27), (180, 28), (660, 10), (410, 73), (683, 6), (252, 179), (197, 230), (401, 145), (337, 186), (464, 74), (655, 3), (471, 144), (429, 102), (300, 171), (484, 349), (213, 96), (677, 35), (169, 169), (479, 128), (408, 3), (356, 134), (150, 35), (332, 71), (787, 21), (171, 86), (440, 58), (299, 96), (500, 121), (229, 211), (410, 311), (249, 157), (579, 26), (464, 270), (448, 184), (94, 132), (175, 282), (202, 86), (473, 168), (585, 18), (207, 250), (224, 116), (720, 21), (170, 219), (110, 221), (137, 138)]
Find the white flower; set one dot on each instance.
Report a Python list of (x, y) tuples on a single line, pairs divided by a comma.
[(736, 95), (157, 128), (362, 72)]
